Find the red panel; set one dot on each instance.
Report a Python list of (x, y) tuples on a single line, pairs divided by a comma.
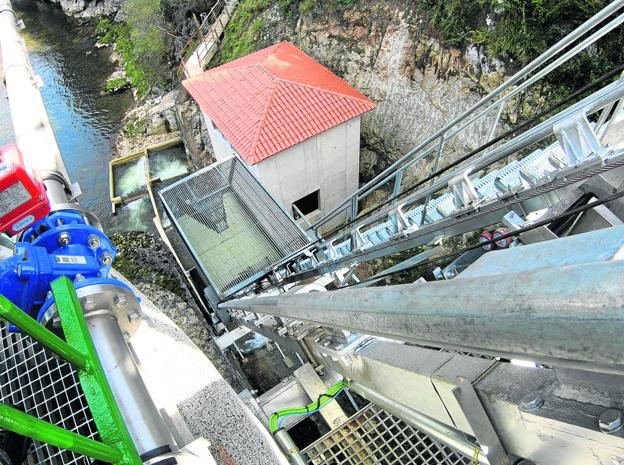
[(273, 99), (22, 195)]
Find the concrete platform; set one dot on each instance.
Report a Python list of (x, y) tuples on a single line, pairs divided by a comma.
[(194, 397)]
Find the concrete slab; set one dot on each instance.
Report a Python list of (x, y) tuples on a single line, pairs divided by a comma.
[(187, 387)]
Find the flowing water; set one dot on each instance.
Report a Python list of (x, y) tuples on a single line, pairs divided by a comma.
[(85, 122)]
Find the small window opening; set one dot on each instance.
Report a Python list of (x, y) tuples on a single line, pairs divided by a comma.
[(307, 204)]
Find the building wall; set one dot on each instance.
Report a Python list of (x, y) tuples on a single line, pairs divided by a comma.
[(222, 148), (329, 162)]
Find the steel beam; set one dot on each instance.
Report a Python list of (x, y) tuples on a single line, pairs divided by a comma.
[(567, 316), (535, 414)]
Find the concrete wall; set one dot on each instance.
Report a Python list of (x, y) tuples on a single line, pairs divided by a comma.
[(222, 148), (329, 162)]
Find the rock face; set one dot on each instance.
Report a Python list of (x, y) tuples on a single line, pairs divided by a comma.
[(194, 133), (90, 8), (151, 122), (162, 118)]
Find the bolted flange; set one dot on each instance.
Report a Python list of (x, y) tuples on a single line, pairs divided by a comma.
[(106, 258), (117, 300), (94, 241)]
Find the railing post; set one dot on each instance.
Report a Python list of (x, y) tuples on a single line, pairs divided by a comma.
[(398, 179), (21, 423), (496, 120), (46, 338), (436, 167), (396, 190), (354, 207)]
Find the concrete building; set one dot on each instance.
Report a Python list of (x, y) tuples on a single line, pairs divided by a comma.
[(291, 120)]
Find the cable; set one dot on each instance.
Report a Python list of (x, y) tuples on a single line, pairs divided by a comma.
[(538, 224), (275, 422), (282, 419)]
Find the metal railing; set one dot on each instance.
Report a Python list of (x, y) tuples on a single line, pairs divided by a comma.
[(231, 224), (493, 104), (116, 445), (206, 34)]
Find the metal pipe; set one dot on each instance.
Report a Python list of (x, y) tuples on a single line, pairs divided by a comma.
[(33, 133), (570, 316), (289, 447), (36, 140), (450, 437), (147, 428), (543, 58)]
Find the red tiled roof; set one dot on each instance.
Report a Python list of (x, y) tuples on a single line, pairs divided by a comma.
[(273, 99)]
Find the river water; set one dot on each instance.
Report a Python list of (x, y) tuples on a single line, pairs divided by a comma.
[(84, 121)]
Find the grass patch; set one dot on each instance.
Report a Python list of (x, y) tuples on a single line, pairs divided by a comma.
[(241, 35), (115, 85), (517, 31), (135, 127), (306, 6)]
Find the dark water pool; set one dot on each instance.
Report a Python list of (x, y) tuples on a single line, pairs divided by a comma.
[(84, 121)]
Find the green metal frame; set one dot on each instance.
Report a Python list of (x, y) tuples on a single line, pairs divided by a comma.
[(116, 445)]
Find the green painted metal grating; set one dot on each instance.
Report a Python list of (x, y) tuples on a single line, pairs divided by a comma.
[(40, 384), (232, 226), (374, 437)]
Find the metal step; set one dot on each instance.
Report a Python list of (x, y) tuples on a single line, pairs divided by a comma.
[(517, 174)]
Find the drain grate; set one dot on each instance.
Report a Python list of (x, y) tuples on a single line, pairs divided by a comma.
[(374, 437), (33, 380)]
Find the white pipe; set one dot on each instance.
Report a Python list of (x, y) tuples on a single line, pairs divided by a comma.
[(31, 126)]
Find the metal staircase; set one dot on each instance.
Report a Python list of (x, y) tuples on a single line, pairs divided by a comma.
[(521, 174), (557, 154)]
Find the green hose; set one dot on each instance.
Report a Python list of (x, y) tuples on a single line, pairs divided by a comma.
[(315, 406)]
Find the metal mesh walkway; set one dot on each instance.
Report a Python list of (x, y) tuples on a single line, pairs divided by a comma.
[(374, 437), (42, 385), (234, 229)]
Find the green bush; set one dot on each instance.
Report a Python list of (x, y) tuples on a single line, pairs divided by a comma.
[(285, 5), (141, 42), (512, 29), (150, 45), (517, 31), (134, 128), (115, 85), (306, 6)]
